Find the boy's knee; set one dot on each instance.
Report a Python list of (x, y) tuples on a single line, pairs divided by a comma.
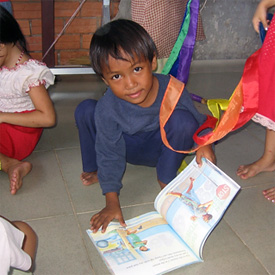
[(180, 129), (85, 109), (183, 121)]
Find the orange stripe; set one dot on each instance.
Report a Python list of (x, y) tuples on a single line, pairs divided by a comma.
[(245, 95)]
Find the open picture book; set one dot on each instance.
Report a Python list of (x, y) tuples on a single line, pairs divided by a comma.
[(187, 210)]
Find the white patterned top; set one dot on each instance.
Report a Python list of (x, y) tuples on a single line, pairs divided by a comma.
[(17, 82)]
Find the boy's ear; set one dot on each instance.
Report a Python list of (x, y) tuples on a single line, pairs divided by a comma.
[(105, 81), (154, 63)]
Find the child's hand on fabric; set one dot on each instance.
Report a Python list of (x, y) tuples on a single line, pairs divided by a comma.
[(107, 214), (260, 15), (205, 152)]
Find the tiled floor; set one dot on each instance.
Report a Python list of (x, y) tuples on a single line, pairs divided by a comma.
[(55, 203)]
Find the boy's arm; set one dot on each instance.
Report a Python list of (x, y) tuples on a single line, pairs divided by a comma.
[(205, 152), (111, 211)]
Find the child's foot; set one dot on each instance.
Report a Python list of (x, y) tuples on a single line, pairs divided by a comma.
[(16, 174), (89, 178), (270, 194), (161, 184), (251, 170)]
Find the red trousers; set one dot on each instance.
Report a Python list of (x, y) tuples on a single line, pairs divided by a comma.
[(18, 142)]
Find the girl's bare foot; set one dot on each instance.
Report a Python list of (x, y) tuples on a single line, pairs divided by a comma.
[(270, 194), (89, 178), (251, 170), (16, 173)]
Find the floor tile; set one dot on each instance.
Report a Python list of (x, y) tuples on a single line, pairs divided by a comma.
[(252, 218), (61, 247), (43, 193)]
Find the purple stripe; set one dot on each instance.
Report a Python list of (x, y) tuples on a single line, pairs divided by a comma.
[(186, 52)]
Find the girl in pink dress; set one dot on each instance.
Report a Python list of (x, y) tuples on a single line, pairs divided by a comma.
[(25, 106), (266, 112)]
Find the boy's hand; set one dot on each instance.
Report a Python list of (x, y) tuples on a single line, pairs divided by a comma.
[(107, 214), (205, 152)]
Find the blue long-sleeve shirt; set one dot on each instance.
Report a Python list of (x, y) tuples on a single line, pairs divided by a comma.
[(114, 116)]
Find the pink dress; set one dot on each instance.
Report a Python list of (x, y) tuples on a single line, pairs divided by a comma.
[(266, 64), (16, 141)]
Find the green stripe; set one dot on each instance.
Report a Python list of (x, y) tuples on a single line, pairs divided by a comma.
[(176, 49)]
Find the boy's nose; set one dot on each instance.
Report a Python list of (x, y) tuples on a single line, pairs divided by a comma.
[(130, 83)]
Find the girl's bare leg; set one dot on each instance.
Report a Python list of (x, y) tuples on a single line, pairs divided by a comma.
[(89, 178), (265, 164), (16, 171)]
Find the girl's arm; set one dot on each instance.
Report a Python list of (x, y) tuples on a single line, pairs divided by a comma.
[(43, 116), (260, 14)]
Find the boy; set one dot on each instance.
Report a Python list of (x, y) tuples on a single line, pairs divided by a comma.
[(123, 126)]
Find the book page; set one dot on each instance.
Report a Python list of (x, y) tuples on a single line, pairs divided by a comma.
[(147, 246), (194, 202)]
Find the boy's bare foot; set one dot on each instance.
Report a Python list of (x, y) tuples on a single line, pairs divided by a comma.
[(161, 184), (251, 170), (89, 178), (270, 194), (16, 173)]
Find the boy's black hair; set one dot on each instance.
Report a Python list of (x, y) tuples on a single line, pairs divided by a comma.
[(117, 37), (10, 31)]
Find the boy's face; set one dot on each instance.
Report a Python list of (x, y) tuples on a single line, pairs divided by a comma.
[(132, 80)]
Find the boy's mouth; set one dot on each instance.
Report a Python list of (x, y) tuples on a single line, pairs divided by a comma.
[(135, 95)]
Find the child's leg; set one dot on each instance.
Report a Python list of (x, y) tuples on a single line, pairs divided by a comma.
[(143, 148), (148, 149), (179, 130), (84, 117), (16, 143), (16, 171), (265, 164), (30, 241)]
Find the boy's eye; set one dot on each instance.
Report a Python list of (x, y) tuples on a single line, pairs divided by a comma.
[(116, 76), (137, 69)]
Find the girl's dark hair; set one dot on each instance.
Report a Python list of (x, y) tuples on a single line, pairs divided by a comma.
[(10, 31), (120, 36)]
